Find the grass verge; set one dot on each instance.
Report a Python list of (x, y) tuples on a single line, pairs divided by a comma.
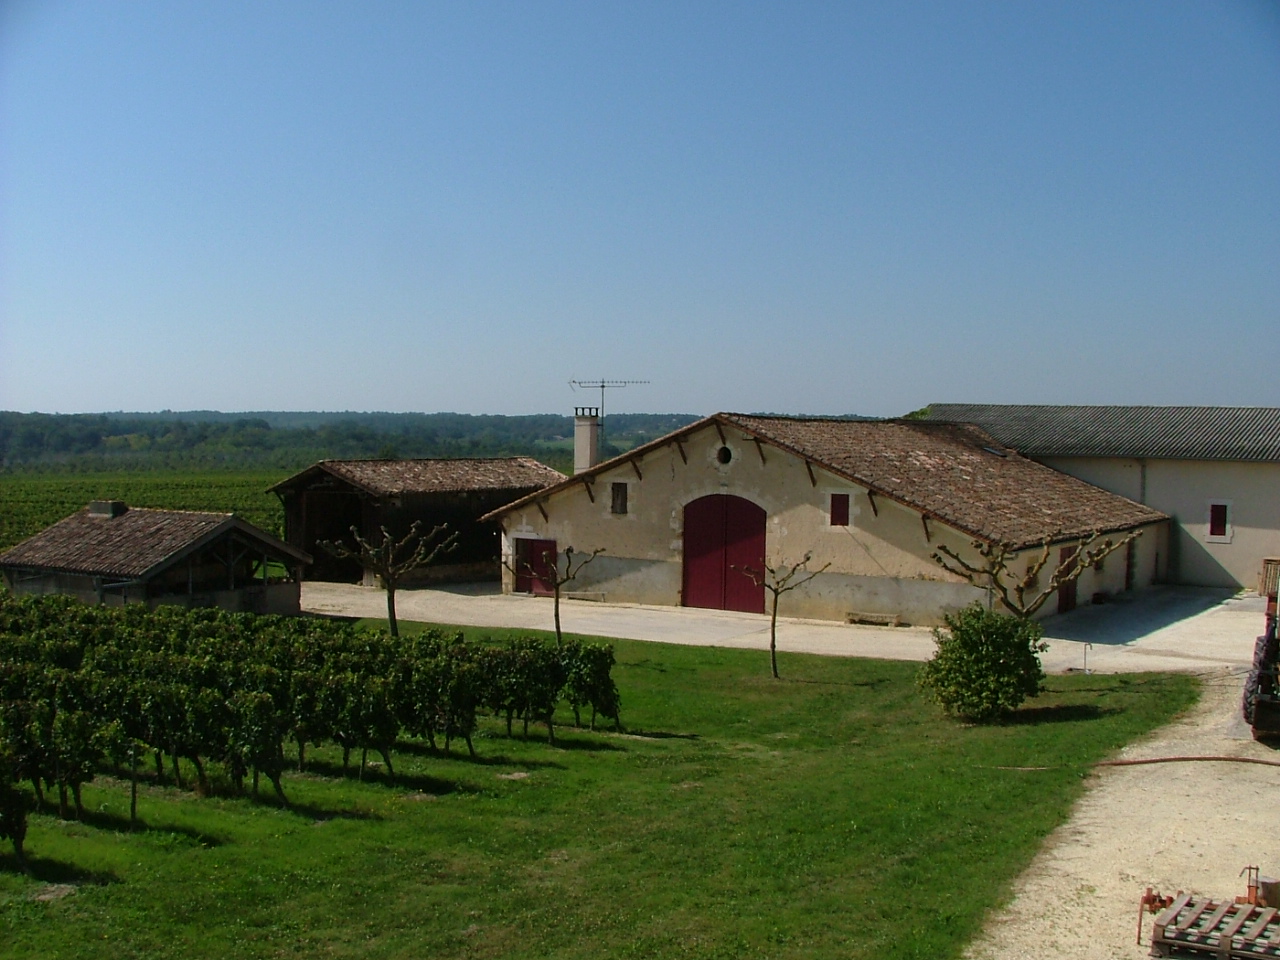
[(831, 813)]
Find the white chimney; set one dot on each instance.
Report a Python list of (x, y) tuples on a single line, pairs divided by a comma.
[(586, 438)]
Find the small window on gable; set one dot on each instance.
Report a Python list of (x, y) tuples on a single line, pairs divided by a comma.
[(619, 502), (839, 509), (1219, 521)]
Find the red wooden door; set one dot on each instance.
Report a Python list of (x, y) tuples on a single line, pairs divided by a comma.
[(723, 535), (1067, 592), (535, 566)]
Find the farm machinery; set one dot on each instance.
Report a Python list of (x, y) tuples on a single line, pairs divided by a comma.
[(1261, 704)]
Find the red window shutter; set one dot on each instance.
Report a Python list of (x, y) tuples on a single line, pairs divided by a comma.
[(839, 509), (1217, 519)]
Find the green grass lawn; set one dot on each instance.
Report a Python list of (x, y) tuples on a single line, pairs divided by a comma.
[(833, 813)]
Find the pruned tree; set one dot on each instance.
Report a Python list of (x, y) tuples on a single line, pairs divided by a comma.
[(1022, 594), (551, 574), (779, 580), (391, 560)]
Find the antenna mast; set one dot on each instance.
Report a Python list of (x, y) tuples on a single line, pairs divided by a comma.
[(602, 386)]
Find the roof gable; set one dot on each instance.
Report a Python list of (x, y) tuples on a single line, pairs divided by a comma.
[(1174, 433), (390, 478), (952, 472), (133, 544)]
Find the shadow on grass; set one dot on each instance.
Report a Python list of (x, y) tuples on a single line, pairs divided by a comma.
[(875, 682), (49, 870), (644, 665), (662, 735), (1063, 713), (377, 777)]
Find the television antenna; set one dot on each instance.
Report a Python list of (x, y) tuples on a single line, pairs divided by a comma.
[(602, 386)]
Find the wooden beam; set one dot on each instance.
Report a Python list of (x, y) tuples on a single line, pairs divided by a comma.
[(759, 449), (875, 511), (586, 483), (636, 467), (812, 479), (721, 432), (543, 510), (924, 520), (683, 455)]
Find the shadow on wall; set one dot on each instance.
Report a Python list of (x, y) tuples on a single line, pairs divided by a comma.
[(1125, 620), (1192, 564)]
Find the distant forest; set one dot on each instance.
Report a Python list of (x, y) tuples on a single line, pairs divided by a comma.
[(290, 441)]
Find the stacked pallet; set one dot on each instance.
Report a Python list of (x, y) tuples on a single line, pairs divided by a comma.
[(1197, 926)]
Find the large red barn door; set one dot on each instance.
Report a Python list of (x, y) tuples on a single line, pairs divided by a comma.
[(723, 535)]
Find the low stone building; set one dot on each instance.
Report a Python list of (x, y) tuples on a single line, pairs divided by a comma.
[(685, 519), (327, 499), (113, 554), (1214, 470)]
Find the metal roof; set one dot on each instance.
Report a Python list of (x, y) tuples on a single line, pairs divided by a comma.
[(954, 473), (1171, 433)]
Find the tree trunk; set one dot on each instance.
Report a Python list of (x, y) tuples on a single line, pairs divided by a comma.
[(133, 788), (386, 758), (159, 767), (391, 608), (302, 755), (559, 641), (773, 638), (62, 801), (75, 795), (202, 781), (364, 761)]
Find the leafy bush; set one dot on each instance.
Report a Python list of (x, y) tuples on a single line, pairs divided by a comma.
[(987, 664)]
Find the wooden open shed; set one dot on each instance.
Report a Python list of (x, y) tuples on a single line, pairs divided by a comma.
[(111, 553), (327, 499)]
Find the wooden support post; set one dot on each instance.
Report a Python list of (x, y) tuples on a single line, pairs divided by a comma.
[(683, 456), (586, 484), (720, 432), (875, 511), (636, 467), (759, 449), (924, 520), (543, 510), (812, 479)]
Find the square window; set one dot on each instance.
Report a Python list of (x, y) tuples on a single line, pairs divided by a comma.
[(619, 503), (839, 509), (1219, 521)]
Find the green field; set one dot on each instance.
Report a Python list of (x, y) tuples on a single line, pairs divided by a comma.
[(31, 502), (833, 813)]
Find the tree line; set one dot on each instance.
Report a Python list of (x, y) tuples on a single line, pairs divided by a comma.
[(291, 441), (85, 688)]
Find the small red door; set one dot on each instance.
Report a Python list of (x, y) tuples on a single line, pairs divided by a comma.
[(723, 538), (535, 566), (1067, 592)]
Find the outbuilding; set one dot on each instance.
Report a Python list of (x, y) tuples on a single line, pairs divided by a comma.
[(323, 503), (695, 517), (111, 553), (1214, 470)]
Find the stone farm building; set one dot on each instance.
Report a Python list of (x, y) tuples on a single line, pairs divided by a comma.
[(113, 554), (1214, 470), (681, 519), (327, 499)]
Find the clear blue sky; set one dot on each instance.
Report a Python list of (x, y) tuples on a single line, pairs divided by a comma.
[(793, 207)]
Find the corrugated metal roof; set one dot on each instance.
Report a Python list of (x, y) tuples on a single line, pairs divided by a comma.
[(389, 478), (1173, 433), (131, 544), (955, 473)]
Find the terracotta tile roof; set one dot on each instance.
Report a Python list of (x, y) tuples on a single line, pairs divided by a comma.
[(954, 473), (1182, 433), (131, 544), (388, 478)]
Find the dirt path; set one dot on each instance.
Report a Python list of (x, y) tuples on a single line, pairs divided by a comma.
[(1189, 826)]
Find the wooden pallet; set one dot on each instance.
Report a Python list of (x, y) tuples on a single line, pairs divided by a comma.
[(1197, 926)]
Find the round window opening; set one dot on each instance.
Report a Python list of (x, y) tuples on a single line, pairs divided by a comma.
[(724, 454)]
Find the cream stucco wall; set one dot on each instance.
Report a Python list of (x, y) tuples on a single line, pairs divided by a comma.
[(1184, 489), (879, 564)]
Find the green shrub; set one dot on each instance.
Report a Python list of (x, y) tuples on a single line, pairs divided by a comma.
[(987, 664)]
